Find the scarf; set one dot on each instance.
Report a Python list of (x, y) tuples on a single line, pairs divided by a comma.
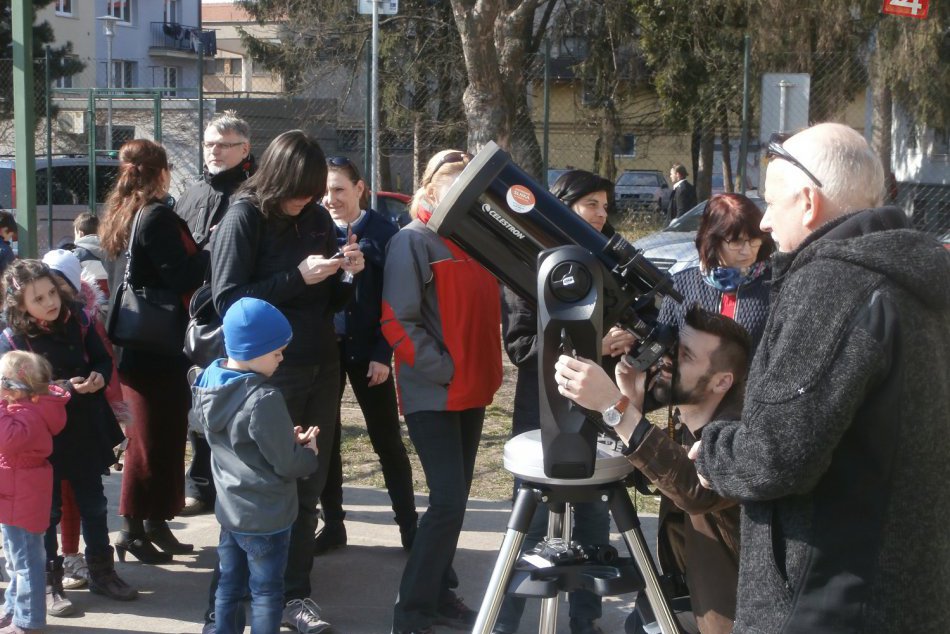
[(728, 279)]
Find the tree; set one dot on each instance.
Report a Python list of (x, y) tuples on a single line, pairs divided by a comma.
[(62, 62)]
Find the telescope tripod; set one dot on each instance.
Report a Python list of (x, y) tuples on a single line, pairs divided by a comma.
[(607, 579)]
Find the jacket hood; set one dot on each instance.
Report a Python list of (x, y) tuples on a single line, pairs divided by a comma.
[(233, 176), (90, 294), (219, 394), (881, 240), (91, 243), (52, 408)]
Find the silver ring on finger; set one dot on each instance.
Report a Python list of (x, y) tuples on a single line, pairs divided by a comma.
[(567, 384)]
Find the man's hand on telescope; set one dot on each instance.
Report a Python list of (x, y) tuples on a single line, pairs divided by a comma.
[(589, 385), (616, 342)]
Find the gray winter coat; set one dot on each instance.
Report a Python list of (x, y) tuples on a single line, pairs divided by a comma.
[(255, 459), (841, 456)]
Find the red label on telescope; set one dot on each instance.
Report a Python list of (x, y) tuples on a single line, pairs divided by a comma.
[(520, 199), (907, 8)]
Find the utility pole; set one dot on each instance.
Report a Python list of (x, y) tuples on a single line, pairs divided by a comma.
[(24, 122)]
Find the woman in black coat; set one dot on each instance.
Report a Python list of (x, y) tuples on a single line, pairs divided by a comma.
[(164, 256)]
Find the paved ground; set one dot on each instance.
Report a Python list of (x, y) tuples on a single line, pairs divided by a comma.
[(355, 586)]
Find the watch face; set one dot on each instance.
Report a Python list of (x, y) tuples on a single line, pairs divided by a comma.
[(612, 416)]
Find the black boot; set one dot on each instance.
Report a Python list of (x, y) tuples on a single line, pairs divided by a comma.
[(104, 580), (332, 536), (56, 602), (159, 534), (140, 548)]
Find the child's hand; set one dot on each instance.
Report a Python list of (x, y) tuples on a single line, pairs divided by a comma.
[(308, 437), (92, 383)]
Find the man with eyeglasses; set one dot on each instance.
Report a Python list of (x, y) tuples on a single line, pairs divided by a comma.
[(840, 455), (228, 163)]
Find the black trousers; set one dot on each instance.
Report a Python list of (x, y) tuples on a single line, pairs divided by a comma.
[(198, 481), (381, 414)]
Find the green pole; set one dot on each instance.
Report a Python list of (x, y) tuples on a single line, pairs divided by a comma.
[(547, 111), (157, 113), (91, 109), (49, 150), (744, 141), (24, 122)]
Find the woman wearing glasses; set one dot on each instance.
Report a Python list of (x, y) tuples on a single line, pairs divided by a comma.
[(733, 266), (441, 315)]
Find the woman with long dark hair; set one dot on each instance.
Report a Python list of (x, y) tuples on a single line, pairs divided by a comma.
[(277, 244), (164, 256), (733, 266)]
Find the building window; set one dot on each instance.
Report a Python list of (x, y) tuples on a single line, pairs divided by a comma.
[(121, 9), (64, 7), (235, 66), (123, 74), (172, 11), (120, 135), (941, 145), (626, 145), (64, 82), (170, 78)]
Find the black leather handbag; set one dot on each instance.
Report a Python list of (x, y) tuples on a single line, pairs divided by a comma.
[(204, 336), (142, 318)]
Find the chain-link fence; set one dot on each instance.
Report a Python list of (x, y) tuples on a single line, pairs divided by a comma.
[(563, 121)]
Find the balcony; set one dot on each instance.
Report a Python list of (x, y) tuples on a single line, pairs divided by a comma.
[(172, 39)]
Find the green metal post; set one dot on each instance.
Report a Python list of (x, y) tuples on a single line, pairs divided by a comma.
[(547, 110), (744, 140), (157, 112), (24, 122), (49, 149), (91, 109)]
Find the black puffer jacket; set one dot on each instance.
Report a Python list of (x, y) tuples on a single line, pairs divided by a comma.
[(840, 458), (203, 204)]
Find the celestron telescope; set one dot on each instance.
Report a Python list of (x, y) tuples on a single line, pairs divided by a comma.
[(581, 283)]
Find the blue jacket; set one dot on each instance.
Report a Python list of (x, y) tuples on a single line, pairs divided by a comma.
[(363, 340)]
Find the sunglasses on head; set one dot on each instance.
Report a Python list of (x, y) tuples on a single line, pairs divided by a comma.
[(775, 149), (450, 159), (339, 161)]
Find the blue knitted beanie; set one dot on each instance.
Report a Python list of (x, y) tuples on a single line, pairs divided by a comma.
[(252, 328)]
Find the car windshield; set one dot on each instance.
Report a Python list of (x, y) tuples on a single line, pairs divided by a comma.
[(638, 179), (690, 220)]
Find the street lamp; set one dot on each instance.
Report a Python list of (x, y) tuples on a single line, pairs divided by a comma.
[(108, 27)]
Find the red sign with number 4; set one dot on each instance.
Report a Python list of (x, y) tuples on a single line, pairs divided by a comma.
[(907, 8)]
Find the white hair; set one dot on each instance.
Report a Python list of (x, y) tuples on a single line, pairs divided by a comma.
[(229, 121), (851, 174)]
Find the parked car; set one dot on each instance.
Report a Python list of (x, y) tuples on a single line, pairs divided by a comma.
[(641, 190), (70, 192), (673, 249), (555, 173), (394, 206)]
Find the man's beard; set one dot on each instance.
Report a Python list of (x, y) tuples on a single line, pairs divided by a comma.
[(677, 395)]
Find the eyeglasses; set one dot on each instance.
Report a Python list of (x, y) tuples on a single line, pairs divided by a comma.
[(776, 149), (449, 159), (221, 145), (736, 245), (11, 384), (339, 161)]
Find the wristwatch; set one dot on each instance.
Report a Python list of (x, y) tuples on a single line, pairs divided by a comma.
[(613, 414)]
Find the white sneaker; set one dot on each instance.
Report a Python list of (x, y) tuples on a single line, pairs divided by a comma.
[(303, 615), (75, 572)]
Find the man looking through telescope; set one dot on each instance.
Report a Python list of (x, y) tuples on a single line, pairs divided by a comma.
[(698, 536)]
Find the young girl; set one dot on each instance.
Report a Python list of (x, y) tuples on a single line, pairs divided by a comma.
[(31, 412), (43, 317)]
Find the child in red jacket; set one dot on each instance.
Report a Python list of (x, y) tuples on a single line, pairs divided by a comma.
[(31, 412)]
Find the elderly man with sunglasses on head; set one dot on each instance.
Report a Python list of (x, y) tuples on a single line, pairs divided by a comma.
[(840, 455)]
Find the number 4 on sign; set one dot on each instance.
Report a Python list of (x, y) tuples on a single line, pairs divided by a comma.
[(908, 8)]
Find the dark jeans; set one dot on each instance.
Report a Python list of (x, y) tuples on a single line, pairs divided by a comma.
[(447, 443), (257, 561), (312, 396), (91, 501), (381, 414), (198, 481)]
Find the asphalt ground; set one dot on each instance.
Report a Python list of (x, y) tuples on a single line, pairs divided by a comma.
[(355, 586)]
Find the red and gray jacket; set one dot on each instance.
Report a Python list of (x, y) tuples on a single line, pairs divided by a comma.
[(442, 318)]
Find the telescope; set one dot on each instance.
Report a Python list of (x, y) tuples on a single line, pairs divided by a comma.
[(580, 281)]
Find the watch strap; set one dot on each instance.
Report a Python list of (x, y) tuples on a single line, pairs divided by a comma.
[(636, 438)]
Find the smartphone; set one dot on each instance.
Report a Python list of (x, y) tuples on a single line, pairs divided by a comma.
[(337, 255)]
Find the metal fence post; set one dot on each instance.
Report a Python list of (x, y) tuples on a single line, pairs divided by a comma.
[(92, 150), (49, 148), (546, 125), (744, 139), (157, 112)]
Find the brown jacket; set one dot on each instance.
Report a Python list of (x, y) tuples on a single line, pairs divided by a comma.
[(698, 532)]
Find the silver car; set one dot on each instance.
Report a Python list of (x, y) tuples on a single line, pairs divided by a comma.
[(673, 249)]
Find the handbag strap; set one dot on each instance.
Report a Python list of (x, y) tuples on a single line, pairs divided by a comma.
[(135, 225)]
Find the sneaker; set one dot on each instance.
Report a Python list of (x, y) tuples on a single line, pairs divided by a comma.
[(75, 572), (193, 506), (456, 615), (209, 628), (303, 615)]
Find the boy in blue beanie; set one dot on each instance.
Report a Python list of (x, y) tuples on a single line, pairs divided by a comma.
[(256, 457)]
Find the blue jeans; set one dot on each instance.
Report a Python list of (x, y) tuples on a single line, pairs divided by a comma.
[(447, 443), (26, 567), (257, 561)]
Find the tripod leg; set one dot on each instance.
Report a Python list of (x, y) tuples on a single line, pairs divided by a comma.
[(521, 513), (559, 525), (629, 525)]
